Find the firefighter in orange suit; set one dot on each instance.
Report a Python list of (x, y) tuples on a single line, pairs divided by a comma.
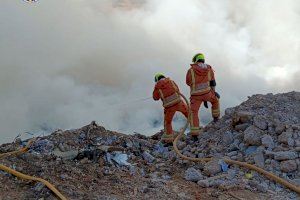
[(200, 77), (167, 90)]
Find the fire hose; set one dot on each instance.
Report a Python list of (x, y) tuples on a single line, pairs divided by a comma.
[(231, 162), (27, 177)]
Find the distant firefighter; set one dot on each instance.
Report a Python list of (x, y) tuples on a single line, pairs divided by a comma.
[(201, 79), (167, 90)]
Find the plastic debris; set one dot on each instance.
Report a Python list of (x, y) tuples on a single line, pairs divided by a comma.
[(148, 157), (121, 159), (249, 175), (224, 165)]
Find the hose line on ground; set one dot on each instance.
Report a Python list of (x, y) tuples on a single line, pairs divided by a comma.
[(228, 161), (27, 177)]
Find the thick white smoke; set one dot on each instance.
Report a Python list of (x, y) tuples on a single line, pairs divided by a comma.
[(66, 63)]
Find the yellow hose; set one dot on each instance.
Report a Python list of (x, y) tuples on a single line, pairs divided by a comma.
[(232, 162), (27, 177), (32, 178), (18, 152)]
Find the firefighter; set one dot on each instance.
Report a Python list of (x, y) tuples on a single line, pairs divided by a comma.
[(200, 77), (167, 90)]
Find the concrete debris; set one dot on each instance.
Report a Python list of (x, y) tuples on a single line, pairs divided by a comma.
[(285, 155), (288, 166), (95, 163), (211, 168), (191, 174), (67, 155), (253, 135)]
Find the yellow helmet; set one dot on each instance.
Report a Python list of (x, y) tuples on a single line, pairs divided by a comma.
[(198, 57), (158, 76)]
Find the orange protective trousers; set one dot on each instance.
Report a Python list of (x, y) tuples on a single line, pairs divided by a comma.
[(170, 112), (196, 102)]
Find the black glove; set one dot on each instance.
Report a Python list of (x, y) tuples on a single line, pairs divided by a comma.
[(217, 95), (205, 104)]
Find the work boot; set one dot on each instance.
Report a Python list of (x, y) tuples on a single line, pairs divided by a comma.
[(194, 138), (216, 119), (194, 135), (167, 138)]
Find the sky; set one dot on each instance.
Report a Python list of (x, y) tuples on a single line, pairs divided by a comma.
[(66, 63)]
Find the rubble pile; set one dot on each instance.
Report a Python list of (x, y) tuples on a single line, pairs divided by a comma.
[(264, 131), (95, 163)]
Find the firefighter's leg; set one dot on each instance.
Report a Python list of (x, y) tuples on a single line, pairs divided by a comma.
[(195, 127), (183, 108), (168, 134), (215, 108)]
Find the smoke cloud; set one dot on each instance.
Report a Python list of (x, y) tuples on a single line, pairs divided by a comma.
[(66, 63)]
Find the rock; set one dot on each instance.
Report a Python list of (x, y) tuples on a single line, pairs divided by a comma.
[(285, 155), (68, 155), (212, 167), (250, 150), (148, 157), (191, 174), (267, 141), (284, 137), (232, 153), (203, 183), (275, 165), (38, 187), (231, 173), (279, 128), (253, 135), (259, 159), (229, 111), (260, 122), (243, 116), (227, 138), (166, 177), (291, 142), (297, 149), (241, 127), (296, 181), (288, 166), (297, 143), (261, 187)]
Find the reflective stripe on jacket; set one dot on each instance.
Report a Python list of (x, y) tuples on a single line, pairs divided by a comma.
[(167, 90), (199, 77)]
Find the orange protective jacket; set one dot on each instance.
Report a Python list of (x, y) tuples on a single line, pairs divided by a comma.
[(198, 78), (166, 90)]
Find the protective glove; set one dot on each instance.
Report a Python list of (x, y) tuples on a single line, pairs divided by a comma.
[(205, 104)]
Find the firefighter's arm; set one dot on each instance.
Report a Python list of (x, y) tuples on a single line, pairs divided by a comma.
[(177, 88), (156, 96), (212, 81), (189, 78)]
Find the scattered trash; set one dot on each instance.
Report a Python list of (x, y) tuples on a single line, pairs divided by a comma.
[(38, 187), (148, 157), (224, 165), (120, 159), (249, 175), (43, 146)]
